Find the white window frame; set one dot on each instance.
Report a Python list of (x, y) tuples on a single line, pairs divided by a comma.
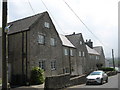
[(83, 53), (41, 39), (80, 53), (81, 42), (53, 65), (71, 52), (97, 57), (65, 51), (42, 64), (52, 42), (47, 25)]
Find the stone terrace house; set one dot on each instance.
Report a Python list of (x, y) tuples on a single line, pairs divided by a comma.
[(0, 53), (69, 56), (34, 41), (81, 52), (93, 57), (100, 50), (96, 55)]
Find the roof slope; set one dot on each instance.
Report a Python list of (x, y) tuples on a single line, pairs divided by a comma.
[(74, 38), (65, 41), (99, 49), (23, 24), (91, 51)]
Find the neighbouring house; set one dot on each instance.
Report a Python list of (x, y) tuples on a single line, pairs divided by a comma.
[(96, 55), (107, 63), (93, 57), (69, 56), (0, 53), (81, 52), (34, 41), (100, 50)]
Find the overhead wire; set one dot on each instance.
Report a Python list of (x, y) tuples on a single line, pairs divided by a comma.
[(52, 17), (83, 22), (31, 7)]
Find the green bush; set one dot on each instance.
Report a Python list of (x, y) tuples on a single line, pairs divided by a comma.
[(37, 76), (107, 69)]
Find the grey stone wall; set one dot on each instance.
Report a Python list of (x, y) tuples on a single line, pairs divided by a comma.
[(82, 61), (58, 82), (45, 52)]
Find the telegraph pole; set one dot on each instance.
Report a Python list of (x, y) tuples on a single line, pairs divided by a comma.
[(4, 62), (113, 58)]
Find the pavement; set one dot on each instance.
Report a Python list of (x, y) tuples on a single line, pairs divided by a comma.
[(31, 87)]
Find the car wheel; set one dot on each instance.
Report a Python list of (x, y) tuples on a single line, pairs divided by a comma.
[(86, 83), (101, 81), (107, 80)]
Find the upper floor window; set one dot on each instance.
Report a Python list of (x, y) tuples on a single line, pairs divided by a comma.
[(42, 65), (81, 43), (97, 57), (65, 51), (80, 53), (41, 39), (53, 65), (71, 52), (52, 42), (47, 25), (83, 54)]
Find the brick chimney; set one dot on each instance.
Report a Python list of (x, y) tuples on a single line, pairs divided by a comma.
[(89, 43)]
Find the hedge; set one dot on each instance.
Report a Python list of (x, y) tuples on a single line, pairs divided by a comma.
[(107, 69)]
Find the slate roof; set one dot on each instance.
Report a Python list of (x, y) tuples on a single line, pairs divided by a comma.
[(99, 49), (65, 41), (74, 38), (91, 51), (23, 24)]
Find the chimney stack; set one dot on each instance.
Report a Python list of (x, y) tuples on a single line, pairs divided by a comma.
[(89, 43)]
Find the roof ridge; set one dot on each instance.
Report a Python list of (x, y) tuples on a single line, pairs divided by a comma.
[(27, 17), (74, 34)]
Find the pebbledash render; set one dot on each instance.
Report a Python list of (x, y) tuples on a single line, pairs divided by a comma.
[(35, 42)]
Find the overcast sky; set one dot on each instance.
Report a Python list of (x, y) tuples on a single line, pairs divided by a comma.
[(101, 17)]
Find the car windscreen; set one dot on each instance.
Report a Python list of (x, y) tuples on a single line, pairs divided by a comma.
[(95, 73)]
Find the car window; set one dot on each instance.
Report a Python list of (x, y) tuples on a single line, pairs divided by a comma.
[(95, 73)]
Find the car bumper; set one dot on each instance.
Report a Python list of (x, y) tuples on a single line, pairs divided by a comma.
[(93, 81)]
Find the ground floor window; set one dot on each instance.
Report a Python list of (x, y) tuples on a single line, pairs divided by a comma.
[(42, 65), (53, 65)]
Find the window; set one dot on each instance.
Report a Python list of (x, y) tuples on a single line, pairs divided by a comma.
[(97, 57), (47, 25), (71, 52), (65, 51), (53, 65), (52, 42), (42, 65), (80, 54), (80, 42), (41, 39), (66, 70), (83, 54)]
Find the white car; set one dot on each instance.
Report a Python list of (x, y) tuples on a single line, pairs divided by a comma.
[(97, 77)]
